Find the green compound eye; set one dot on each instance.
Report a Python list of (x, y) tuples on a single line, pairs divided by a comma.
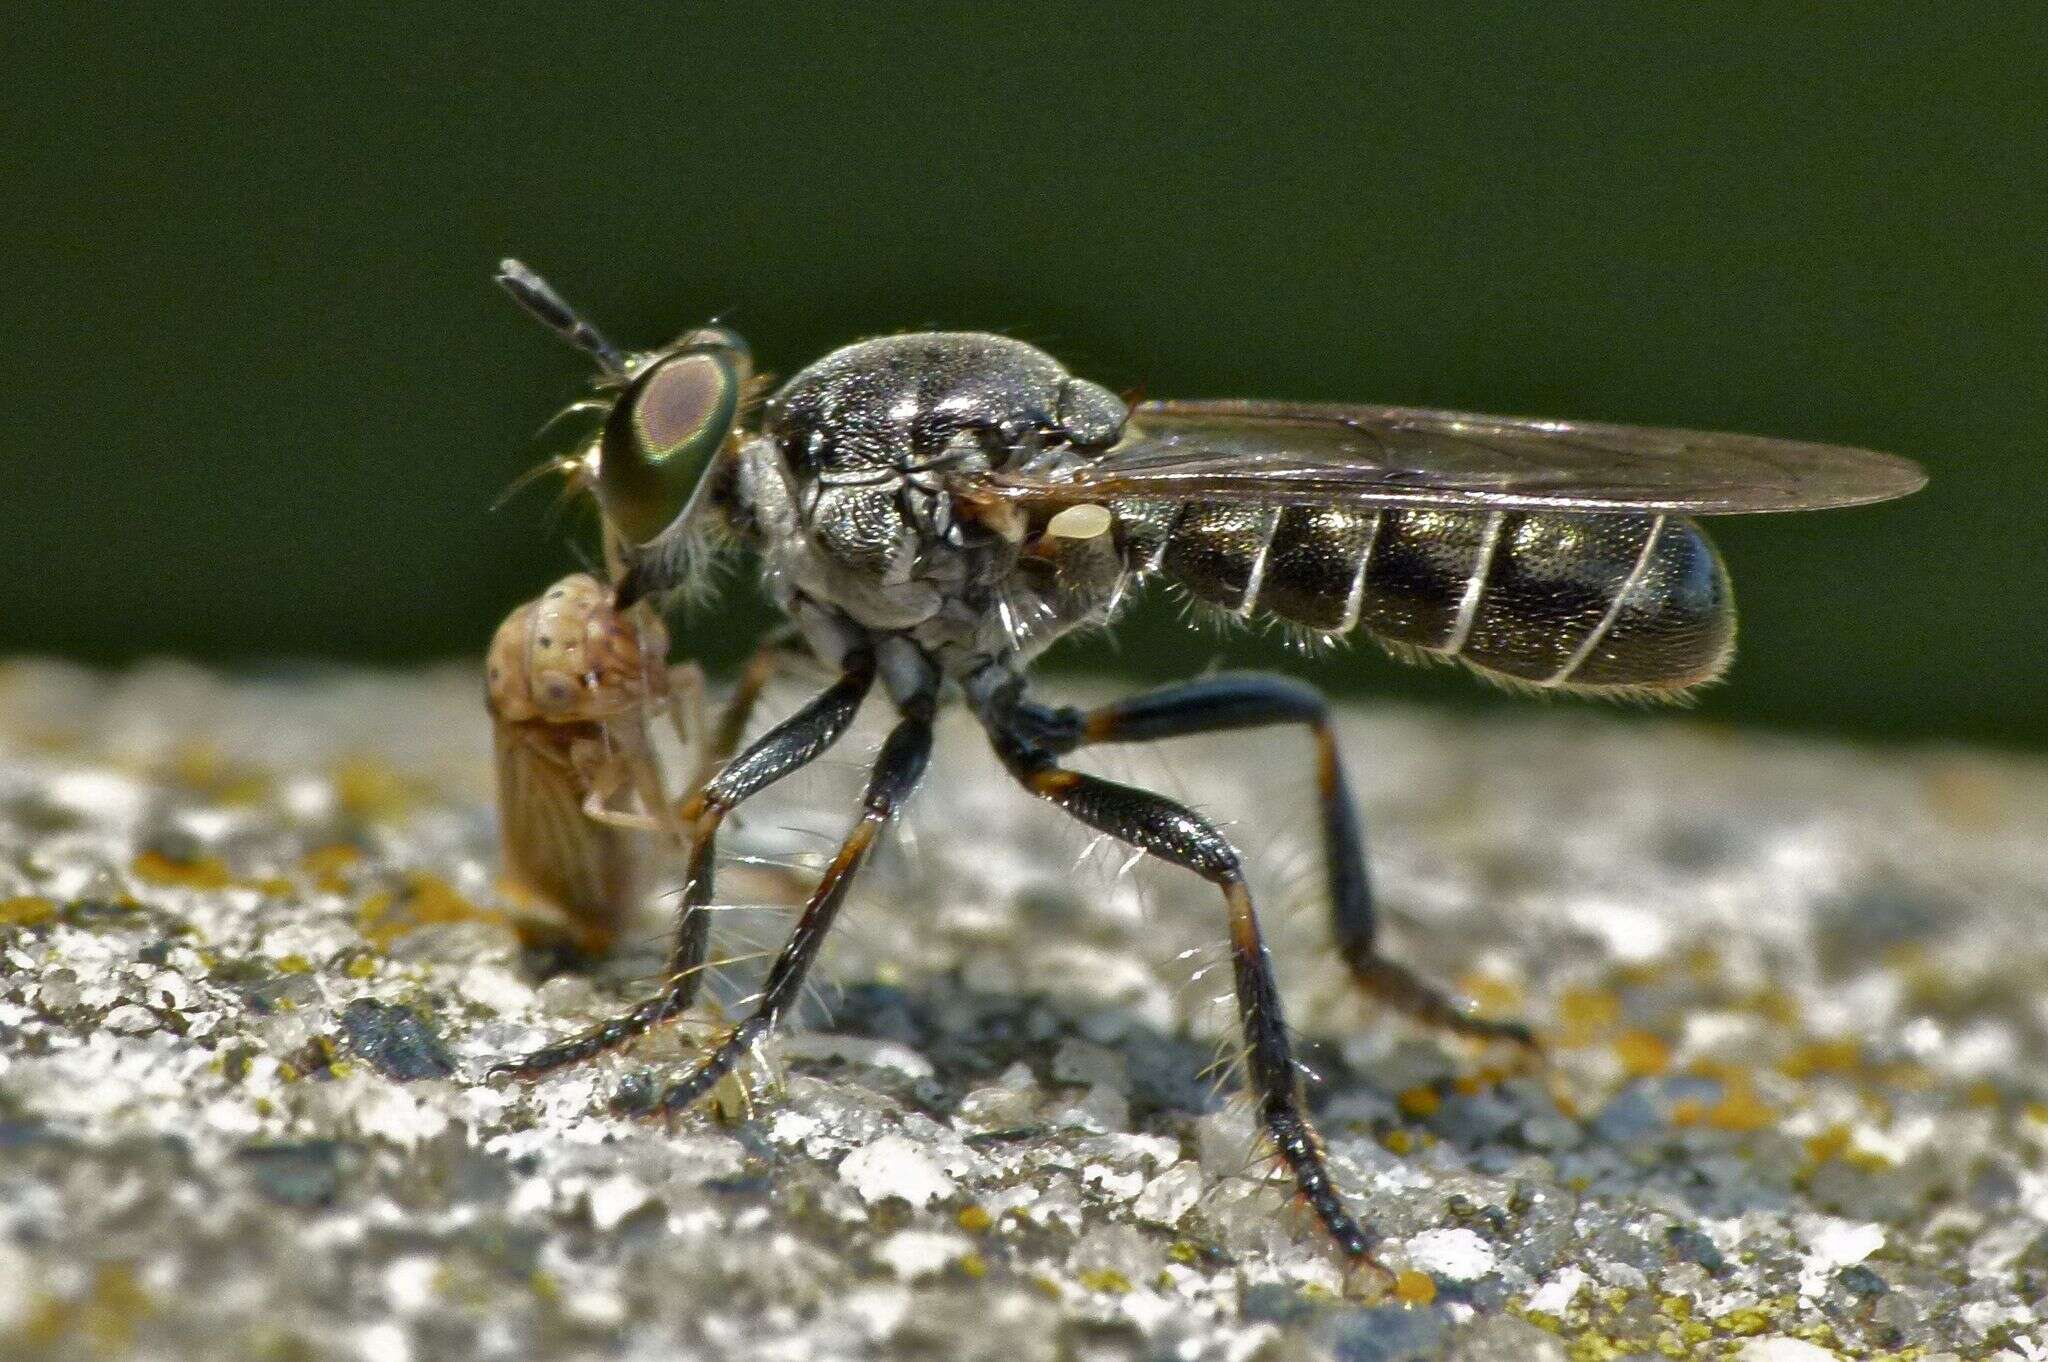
[(663, 434)]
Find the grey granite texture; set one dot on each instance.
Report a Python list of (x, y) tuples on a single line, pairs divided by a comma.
[(254, 960)]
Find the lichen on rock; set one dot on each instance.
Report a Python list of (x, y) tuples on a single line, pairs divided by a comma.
[(254, 963)]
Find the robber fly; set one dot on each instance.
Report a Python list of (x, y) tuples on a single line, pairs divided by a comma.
[(932, 510)]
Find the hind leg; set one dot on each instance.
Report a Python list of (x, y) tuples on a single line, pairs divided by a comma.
[(1255, 700)]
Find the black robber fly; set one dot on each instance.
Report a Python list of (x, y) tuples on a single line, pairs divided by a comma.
[(931, 511)]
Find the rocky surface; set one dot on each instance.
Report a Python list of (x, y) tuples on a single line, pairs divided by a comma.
[(254, 962)]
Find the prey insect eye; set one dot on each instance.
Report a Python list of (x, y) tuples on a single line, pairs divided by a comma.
[(664, 432)]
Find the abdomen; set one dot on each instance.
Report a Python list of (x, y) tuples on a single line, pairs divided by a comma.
[(1621, 604)]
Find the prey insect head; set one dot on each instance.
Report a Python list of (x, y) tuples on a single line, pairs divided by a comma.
[(673, 411)]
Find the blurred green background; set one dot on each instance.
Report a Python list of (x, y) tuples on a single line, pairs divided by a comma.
[(260, 394)]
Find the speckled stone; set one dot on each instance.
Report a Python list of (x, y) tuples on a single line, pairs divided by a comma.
[(255, 962)]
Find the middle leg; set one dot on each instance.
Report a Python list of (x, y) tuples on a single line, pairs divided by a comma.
[(1254, 700)]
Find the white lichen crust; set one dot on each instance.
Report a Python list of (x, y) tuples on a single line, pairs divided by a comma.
[(254, 962)]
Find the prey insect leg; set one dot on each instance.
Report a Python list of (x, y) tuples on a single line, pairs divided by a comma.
[(896, 773), (790, 745), (1253, 700), (1174, 833)]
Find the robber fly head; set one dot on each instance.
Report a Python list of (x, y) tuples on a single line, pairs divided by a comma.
[(669, 412)]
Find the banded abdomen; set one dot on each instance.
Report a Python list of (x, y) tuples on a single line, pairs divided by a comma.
[(1600, 603)]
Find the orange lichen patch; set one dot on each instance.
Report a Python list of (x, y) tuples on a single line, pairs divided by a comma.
[(208, 872), (104, 1320), (370, 790), (1776, 1005), (28, 910), (1493, 996), (1414, 1288), (327, 866), (1642, 1054), (1983, 1093), (1420, 1102), (1739, 1109), (1869, 1160), (1904, 1075), (1584, 1013), (975, 1219), (1831, 1143), (425, 901), (1642, 973), (1107, 1280), (1822, 1057), (1839, 1142), (206, 769), (1969, 796), (1703, 963)]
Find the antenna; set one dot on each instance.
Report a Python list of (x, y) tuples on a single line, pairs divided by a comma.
[(540, 300)]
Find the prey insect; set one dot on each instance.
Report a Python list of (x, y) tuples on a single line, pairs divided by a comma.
[(572, 683), (931, 511)]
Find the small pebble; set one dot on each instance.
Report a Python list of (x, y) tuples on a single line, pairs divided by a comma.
[(304, 1174), (1784, 1350), (1457, 1255), (395, 1040), (131, 1019), (894, 1166)]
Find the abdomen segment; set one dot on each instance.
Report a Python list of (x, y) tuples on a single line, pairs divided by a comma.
[(1603, 603)]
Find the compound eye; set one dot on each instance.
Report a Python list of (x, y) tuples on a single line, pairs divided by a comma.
[(663, 434), (723, 338)]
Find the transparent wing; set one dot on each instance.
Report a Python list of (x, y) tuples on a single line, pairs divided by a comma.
[(1283, 453), (583, 867)]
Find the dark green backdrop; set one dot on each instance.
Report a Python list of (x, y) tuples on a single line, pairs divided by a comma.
[(259, 392)]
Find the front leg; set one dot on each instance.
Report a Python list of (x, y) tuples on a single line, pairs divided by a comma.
[(790, 745), (716, 743)]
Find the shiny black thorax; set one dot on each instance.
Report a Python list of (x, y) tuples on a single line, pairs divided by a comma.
[(928, 399), (851, 489)]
